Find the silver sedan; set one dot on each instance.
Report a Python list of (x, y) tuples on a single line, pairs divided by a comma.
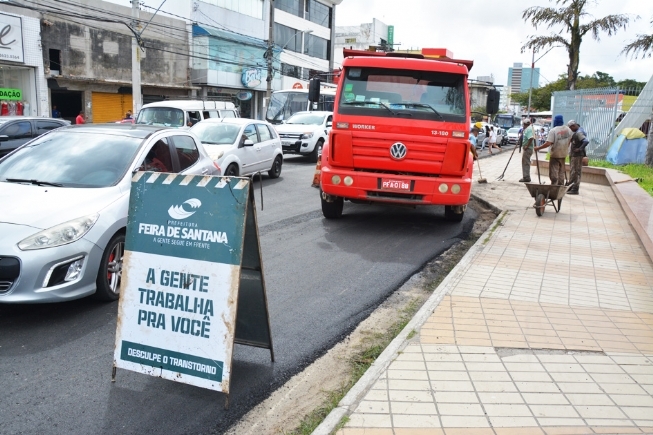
[(65, 199)]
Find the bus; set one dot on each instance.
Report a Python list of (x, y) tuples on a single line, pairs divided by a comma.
[(507, 121), (284, 103)]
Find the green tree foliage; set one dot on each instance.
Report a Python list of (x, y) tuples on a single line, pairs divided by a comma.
[(568, 14)]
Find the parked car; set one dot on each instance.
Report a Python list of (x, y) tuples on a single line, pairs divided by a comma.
[(306, 133), (17, 130), (241, 146), (513, 135), (66, 196)]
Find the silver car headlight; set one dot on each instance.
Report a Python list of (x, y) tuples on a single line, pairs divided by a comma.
[(62, 234), (306, 136)]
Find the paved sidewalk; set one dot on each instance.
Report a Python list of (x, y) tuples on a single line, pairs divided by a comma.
[(546, 327)]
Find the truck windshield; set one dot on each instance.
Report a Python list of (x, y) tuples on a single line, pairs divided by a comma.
[(161, 116), (396, 93)]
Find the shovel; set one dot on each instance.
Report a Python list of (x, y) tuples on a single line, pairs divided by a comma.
[(480, 180)]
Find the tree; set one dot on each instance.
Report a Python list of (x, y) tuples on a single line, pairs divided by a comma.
[(643, 45), (569, 15)]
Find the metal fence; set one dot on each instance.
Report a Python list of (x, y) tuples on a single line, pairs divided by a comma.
[(604, 112)]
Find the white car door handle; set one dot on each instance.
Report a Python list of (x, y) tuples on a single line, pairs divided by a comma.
[(205, 171)]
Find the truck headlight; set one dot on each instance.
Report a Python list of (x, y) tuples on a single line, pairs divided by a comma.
[(62, 234), (306, 136)]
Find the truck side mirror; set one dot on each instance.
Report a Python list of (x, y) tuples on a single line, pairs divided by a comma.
[(314, 90)]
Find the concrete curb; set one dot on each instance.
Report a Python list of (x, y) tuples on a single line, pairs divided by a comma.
[(348, 403)]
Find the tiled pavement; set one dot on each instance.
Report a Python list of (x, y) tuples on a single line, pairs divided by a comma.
[(547, 330)]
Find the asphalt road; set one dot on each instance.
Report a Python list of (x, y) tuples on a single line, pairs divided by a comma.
[(323, 277)]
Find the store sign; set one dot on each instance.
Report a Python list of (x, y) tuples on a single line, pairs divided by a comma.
[(244, 95), (10, 94), (391, 35), (251, 77), (192, 256), (11, 38)]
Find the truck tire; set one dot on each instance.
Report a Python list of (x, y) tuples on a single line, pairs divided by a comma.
[(315, 154), (332, 210), (451, 216)]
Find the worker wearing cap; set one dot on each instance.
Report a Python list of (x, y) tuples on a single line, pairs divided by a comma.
[(528, 142), (577, 152), (558, 139)]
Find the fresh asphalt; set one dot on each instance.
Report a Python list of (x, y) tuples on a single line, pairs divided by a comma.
[(323, 277)]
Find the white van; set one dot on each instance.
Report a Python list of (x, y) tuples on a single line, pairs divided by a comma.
[(184, 113)]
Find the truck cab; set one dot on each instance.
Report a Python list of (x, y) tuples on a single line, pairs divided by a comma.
[(400, 134)]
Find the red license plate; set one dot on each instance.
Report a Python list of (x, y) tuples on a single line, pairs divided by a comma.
[(390, 184)]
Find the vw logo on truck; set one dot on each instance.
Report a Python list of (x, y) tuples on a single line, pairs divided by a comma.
[(398, 151)]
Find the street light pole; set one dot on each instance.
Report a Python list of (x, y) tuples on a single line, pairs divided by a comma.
[(530, 87)]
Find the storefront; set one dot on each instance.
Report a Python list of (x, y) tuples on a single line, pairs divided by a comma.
[(23, 90)]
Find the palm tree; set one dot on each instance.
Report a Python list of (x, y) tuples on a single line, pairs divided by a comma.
[(568, 14), (643, 44)]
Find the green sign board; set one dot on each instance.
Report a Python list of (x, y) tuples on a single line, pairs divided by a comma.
[(192, 255), (10, 94), (391, 35)]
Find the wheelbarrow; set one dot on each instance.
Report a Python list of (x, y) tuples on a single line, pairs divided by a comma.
[(546, 194)]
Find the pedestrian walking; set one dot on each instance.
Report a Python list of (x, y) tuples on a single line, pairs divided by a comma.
[(527, 146), (492, 143), (558, 139), (486, 140), (576, 153), (80, 118), (541, 136)]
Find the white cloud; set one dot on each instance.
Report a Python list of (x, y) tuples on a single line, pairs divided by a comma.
[(491, 33)]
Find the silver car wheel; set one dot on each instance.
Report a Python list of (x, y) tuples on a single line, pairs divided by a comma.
[(114, 267)]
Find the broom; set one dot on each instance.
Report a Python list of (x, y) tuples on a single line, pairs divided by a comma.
[(480, 180)]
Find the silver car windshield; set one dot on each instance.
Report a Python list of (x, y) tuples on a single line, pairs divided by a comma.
[(214, 133), (71, 159)]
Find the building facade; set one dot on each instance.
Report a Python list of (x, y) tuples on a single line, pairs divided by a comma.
[(376, 33), (519, 78), (23, 88)]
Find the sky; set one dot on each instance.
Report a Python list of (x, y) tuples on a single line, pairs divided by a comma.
[(493, 35)]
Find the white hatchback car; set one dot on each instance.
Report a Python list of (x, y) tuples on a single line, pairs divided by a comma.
[(241, 146), (306, 133)]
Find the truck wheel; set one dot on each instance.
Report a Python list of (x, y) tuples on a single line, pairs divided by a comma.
[(317, 151), (451, 216), (332, 210), (275, 171)]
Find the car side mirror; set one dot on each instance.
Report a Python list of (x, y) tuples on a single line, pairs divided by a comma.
[(329, 124), (248, 143), (4, 138)]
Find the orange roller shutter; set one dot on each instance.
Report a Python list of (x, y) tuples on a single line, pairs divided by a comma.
[(110, 107)]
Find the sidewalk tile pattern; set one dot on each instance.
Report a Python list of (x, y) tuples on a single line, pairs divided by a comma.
[(548, 330)]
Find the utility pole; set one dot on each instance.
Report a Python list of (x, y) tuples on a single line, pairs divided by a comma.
[(137, 99), (269, 54), (530, 87)]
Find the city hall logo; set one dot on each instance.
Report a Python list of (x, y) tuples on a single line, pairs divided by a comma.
[(180, 212), (398, 151)]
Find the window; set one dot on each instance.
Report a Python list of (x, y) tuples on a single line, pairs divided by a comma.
[(18, 130), (45, 126), (158, 158), (213, 114), (55, 61), (263, 132), (228, 113), (187, 152), (250, 133), (316, 47), (291, 70), (287, 37), (295, 7), (193, 117), (318, 13)]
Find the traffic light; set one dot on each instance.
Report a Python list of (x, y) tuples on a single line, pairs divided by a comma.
[(492, 101)]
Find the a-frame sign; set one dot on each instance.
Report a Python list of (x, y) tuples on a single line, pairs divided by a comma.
[(192, 281)]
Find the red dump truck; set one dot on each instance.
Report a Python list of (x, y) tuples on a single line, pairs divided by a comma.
[(400, 133)]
